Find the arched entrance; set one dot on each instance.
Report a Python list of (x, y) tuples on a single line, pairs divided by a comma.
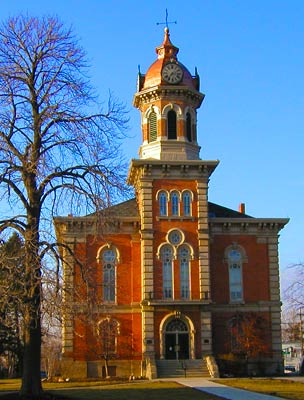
[(176, 340)]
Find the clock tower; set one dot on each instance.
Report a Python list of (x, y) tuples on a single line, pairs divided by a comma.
[(168, 97), (171, 184)]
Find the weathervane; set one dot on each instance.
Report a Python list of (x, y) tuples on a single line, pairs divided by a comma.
[(166, 22)]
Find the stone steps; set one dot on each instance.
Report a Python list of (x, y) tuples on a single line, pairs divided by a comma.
[(176, 368)]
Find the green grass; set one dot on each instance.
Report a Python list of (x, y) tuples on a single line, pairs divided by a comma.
[(159, 390), (287, 389), (146, 390)]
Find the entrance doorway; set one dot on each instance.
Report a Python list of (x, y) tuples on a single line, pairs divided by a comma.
[(177, 340)]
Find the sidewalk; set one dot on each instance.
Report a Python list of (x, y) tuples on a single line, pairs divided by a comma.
[(206, 385)]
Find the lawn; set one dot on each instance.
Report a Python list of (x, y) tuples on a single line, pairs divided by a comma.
[(287, 389), (159, 390), (147, 390)]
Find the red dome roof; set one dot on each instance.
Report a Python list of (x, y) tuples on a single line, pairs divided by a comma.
[(166, 52)]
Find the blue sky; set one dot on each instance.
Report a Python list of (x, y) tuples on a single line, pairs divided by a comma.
[(250, 58)]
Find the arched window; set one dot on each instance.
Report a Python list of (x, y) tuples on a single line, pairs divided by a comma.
[(109, 275), (184, 266), (174, 203), (163, 204), (166, 255), (171, 124), (107, 331), (186, 198), (235, 275), (152, 126), (189, 126)]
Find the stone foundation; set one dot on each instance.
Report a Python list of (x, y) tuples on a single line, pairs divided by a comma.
[(95, 369)]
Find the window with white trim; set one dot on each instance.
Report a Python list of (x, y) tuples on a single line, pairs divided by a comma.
[(166, 255), (184, 267), (174, 203), (235, 275), (186, 200), (108, 258), (163, 204)]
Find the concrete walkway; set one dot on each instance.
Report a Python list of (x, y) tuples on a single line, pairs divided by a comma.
[(227, 392)]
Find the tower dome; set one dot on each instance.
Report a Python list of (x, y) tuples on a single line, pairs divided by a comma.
[(167, 54), (168, 97)]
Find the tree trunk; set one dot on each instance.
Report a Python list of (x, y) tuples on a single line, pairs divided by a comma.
[(106, 367), (31, 381)]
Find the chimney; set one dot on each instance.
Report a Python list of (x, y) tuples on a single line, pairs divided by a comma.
[(242, 208)]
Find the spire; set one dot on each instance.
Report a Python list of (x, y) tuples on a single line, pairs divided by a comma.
[(167, 50)]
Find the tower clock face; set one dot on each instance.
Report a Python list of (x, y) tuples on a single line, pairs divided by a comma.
[(172, 73)]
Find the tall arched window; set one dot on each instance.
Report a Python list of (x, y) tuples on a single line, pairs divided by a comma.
[(235, 275), (109, 275), (189, 126), (152, 126), (184, 266), (174, 203), (108, 330), (186, 199), (163, 204), (171, 124), (166, 256)]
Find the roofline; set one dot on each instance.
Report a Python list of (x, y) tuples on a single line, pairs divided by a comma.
[(278, 223)]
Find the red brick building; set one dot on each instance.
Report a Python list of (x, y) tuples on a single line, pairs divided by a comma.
[(168, 276)]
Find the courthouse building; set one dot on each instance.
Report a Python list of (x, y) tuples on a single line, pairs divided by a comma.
[(163, 279)]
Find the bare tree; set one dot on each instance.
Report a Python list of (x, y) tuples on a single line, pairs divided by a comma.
[(56, 148), (51, 354), (294, 293), (291, 325)]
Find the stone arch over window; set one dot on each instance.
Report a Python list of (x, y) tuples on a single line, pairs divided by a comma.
[(175, 202), (108, 330), (108, 257), (162, 196), (108, 246), (174, 107), (177, 322), (187, 198), (153, 108), (235, 256)]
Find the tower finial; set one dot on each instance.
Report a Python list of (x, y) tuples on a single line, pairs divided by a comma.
[(166, 23)]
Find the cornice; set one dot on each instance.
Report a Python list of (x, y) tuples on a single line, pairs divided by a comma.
[(254, 306), (158, 169), (73, 226), (250, 225), (167, 93)]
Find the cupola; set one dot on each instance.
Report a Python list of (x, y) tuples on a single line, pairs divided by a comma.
[(167, 69), (168, 97)]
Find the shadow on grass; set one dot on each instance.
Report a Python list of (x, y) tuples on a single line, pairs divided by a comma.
[(153, 391)]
